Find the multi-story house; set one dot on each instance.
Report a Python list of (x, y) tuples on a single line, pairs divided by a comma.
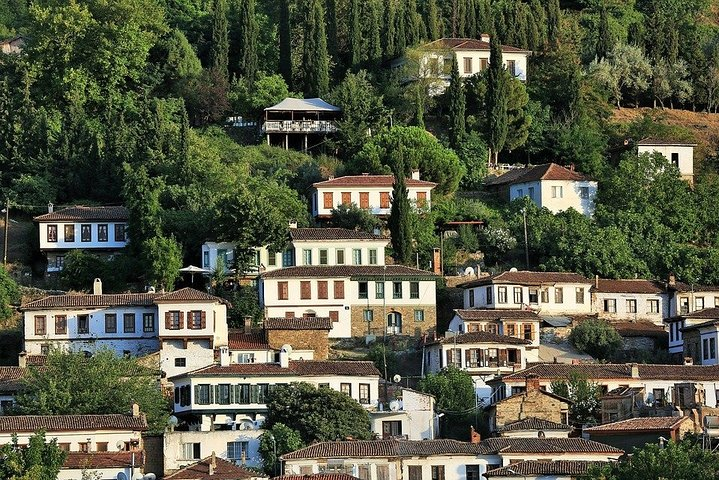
[(360, 299), (547, 293), (693, 336), (106, 444), (630, 300), (370, 192), (100, 229), (687, 298), (185, 326), (409, 415), (518, 324), (300, 123), (549, 186), (679, 154)]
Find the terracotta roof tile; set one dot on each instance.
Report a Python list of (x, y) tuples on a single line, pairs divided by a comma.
[(598, 371), (224, 470), (247, 341), (533, 423), (384, 448), (497, 445), (548, 171), (467, 44), (524, 277), (496, 315), (531, 468), (481, 337), (639, 329), (313, 234), (705, 314), (371, 181), (691, 287), (623, 392), (11, 379), (628, 286), (99, 460), (338, 271), (120, 299), (639, 424), (298, 323), (36, 360), (295, 368), (188, 294), (80, 212), (317, 476), (71, 423)]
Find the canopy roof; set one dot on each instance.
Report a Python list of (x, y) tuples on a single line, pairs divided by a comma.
[(303, 105)]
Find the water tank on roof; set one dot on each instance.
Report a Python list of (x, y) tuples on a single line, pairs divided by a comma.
[(711, 426)]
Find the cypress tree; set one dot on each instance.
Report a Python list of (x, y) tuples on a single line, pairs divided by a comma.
[(398, 222), (434, 20), (315, 61), (285, 34), (470, 26), (373, 33), (540, 21), (496, 100), (400, 25), (355, 34), (390, 34), (603, 42), (553, 21), (248, 33), (461, 18), (331, 15), (412, 28), (456, 106), (484, 16), (219, 49)]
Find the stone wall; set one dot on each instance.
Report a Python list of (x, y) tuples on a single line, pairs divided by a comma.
[(533, 403), (305, 339), (377, 326)]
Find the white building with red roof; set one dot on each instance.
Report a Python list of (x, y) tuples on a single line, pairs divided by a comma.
[(370, 192)]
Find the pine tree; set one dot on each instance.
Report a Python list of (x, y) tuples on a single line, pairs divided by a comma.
[(355, 31), (603, 42), (219, 49), (398, 222), (285, 34), (553, 22), (434, 20), (315, 61), (247, 37), (496, 100), (456, 106)]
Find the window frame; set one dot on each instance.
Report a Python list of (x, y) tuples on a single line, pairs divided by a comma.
[(145, 317), (397, 290), (127, 323), (40, 324), (85, 321), (110, 323), (52, 237), (69, 233), (363, 290), (414, 290), (85, 228)]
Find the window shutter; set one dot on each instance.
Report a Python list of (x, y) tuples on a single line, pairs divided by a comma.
[(212, 393), (182, 318), (189, 321), (197, 393), (168, 321), (467, 358), (334, 315), (203, 319), (232, 393)]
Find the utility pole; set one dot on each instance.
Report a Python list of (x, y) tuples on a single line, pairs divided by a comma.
[(526, 242), (7, 226)]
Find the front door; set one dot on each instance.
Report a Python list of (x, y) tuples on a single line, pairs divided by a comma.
[(394, 323)]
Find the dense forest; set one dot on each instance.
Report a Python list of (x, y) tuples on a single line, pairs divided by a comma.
[(126, 101)]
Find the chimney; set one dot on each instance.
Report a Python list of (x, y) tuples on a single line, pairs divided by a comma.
[(672, 280), (22, 359), (50, 208), (474, 437), (688, 361), (247, 324), (596, 281), (213, 464), (366, 174), (284, 357), (224, 356), (331, 177), (635, 370), (97, 287), (571, 167), (293, 223), (135, 410), (437, 261), (532, 383), (415, 174), (484, 37)]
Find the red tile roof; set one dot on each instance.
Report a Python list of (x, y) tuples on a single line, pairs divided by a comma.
[(36, 360), (533, 423), (628, 286), (597, 371), (79, 213), (317, 476), (11, 379), (188, 294), (120, 299), (480, 337), (639, 329), (524, 277), (224, 470), (371, 181), (298, 323), (504, 445), (691, 287), (383, 448), (623, 392), (300, 368), (496, 315), (642, 424), (72, 423), (706, 314), (548, 171), (247, 341), (99, 460), (338, 271), (536, 468), (467, 44), (315, 234)]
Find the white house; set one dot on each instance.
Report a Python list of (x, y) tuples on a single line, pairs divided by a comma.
[(300, 123), (370, 192), (547, 293), (211, 468), (107, 444), (410, 415), (519, 324), (235, 442), (549, 186), (687, 298), (360, 299), (100, 229), (679, 154), (630, 300)]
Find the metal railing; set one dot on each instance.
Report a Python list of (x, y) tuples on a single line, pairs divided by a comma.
[(299, 126)]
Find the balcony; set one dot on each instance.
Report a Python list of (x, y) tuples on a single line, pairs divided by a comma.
[(299, 126)]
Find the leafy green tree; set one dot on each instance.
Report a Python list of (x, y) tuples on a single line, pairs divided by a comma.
[(453, 388), (354, 218), (9, 294), (455, 92), (181, 63), (245, 302), (670, 81), (219, 43), (73, 384), (80, 269), (398, 222), (39, 460), (315, 60), (381, 354), (473, 154), (275, 442), (496, 101), (584, 395), (317, 414), (163, 261), (250, 98), (625, 71), (596, 337)]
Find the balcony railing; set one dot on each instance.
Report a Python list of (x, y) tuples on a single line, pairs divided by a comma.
[(299, 126)]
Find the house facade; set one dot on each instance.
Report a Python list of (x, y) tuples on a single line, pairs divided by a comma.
[(359, 299), (687, 298), (637, 432), (679, 154), (369, 192), (99, 229), (409, 415), (630, 300), (686, 337)]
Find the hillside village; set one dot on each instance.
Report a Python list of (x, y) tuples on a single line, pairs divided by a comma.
[(359, 240)]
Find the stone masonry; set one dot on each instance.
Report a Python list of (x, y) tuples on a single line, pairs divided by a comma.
[(531, 403), (377, 326), (315, 339)]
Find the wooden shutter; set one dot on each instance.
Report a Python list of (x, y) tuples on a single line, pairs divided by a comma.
[(346, 198), (203, 319), (384, 199), (364, 199), (282, 291), (339, 289), (188, 325), (168, 321), (334, 315), (421, 199), (197, 393), (328, 199), (467, 357), (322, 289), (305, 290), (182, 318), (289, 314)]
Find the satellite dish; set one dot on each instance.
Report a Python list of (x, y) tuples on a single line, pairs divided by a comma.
[(173, 421), (513, 269), (468, 271), (120, 446), (122, 476), (247, 425), (149, 476), (394, 405), (397, 378)]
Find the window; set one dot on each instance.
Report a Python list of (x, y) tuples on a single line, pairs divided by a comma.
[(40, 324), (610, 305), (194, 320), (415, 472), (346, 198), (272, 259), (288, 258), (705, 345), (45, 349), (362, 288), (128, 321), (172, 320), (712, 348), (52, 233), (83, 324), (557, 191), (502, 294), (470, 298), (334, 315), (512, 67), (306, 256), (340, 255), (584, 192), (180, 362), (558, 295), (148, 322), (202, 394), (237, 450), (86, 232), (510, 330), (454, 357), (544, 295), (467, 65), (339, 288), (533, 295), (373, 256), (675, 159), (699, 303), (282, 291), (206, 259), (579, 295), (421, 199), (483, 62), (437, 472), (472, 472), (222, 396), (368, 315), (379, 290), (323, 257), (120, 235), (346, 388), (684, 305), (391, 428), (488, 292), (191, 451), (631, 306), (520, 192), (413, 289), (384, 199), (419, 315), (305, 290), (322, 289), (110, 323), (60, 324), (518, 295), (84, 446), (364, 393), (396, 290), (102, 233), (530, 192), (528, 331), (364, 199), (328, 200), (69, 233), (356, 256)]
